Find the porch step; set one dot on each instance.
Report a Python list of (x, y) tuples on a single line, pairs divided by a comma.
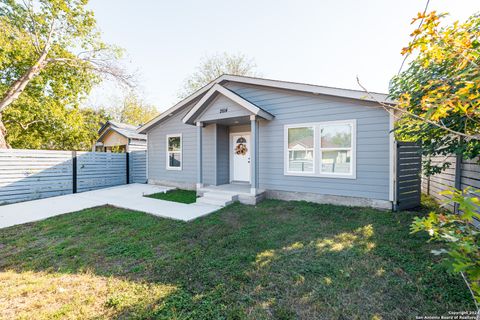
[(220, 199)]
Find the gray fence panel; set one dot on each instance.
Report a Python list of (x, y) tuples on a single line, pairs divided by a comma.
[(138, 166), (97, 170), (469, 177), (34, 174), (408, 180)]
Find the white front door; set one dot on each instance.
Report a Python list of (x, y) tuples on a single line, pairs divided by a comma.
[(241, 157)]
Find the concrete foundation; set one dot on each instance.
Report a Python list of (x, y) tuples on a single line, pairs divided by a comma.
[(245, 197), (329, 199)]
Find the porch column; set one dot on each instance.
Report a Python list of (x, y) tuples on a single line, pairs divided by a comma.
[(254, 155), (199, 156)]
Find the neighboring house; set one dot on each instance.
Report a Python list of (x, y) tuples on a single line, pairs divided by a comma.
[(251, 138), (120, 137)]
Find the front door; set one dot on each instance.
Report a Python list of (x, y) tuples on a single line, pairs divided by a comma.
[(241, 157)]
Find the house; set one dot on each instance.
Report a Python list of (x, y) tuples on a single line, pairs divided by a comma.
[(120, 137), (243, 138)]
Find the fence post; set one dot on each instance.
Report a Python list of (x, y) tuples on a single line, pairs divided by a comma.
[(397, 176), (74, 171), (458, 178), (128, 166), (428, 185)]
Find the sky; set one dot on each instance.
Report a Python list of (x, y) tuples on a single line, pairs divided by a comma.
[(323, 42)]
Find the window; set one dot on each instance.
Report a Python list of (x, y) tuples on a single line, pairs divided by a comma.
[(336, 148), (301, 149), (324, 149), (174, 152)]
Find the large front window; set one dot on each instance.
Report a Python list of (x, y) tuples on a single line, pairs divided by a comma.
[(174, 152), (324, 149), (301, 149)]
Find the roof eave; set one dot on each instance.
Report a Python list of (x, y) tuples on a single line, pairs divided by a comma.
[(314, 89)]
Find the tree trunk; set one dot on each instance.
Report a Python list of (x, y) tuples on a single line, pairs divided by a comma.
[(19, 85), (3, 134), (17, 88)]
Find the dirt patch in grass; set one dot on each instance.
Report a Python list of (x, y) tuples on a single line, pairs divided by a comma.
[(277, 260), (177, 195), (43, 295)]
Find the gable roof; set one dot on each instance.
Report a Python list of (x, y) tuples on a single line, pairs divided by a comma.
[(218, 89), (124, 129), (120, 125), (295, 86)]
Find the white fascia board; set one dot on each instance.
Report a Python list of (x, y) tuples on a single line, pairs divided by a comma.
[(230, 95), (303, 87), (339, 92), (177, 106)]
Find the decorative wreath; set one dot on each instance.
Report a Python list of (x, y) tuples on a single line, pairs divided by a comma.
[(241, 149)]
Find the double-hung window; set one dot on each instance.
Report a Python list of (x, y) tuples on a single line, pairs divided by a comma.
[(323, 149), (336, 144), (174, 152), (301, 149)]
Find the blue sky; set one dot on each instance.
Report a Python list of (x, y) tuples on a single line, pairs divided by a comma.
[(326, 42)]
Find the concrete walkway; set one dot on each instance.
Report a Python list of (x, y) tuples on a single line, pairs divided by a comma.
[(129, 196)]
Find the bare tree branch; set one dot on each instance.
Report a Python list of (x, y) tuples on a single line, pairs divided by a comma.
[(25, 126), (36, 37), (100, 66)]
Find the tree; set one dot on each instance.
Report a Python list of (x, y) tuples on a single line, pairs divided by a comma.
[(439, 106), (439, 94), (211, 67), (51, 55), (133, 110), (76, 129)]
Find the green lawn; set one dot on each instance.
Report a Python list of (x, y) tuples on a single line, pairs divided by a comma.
[(177, 195), (278, 260)]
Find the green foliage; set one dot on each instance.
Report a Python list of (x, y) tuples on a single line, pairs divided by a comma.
[(47, 114), (53, 127), (212, 67), (440, 91), (56, 128), (132, 110), (459, 233)]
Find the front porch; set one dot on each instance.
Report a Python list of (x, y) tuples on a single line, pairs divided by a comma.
[(226, 194), (227, 147), (227, 154)]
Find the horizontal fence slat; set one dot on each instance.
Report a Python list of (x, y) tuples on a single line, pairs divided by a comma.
[(34, 174), (436, 184)]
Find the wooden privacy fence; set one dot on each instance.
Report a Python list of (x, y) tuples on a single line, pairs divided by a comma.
[(461, 174), (408, 180), (33, 174)]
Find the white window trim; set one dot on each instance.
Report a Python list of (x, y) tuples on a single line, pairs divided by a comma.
[(286, 158), (317, 155), (168, 152)]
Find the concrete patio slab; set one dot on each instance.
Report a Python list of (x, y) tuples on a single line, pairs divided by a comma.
[(127, 196)]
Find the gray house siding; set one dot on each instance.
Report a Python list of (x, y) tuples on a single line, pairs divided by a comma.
[(290, 107), (157, 172), (209, 142), (220, 103)]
